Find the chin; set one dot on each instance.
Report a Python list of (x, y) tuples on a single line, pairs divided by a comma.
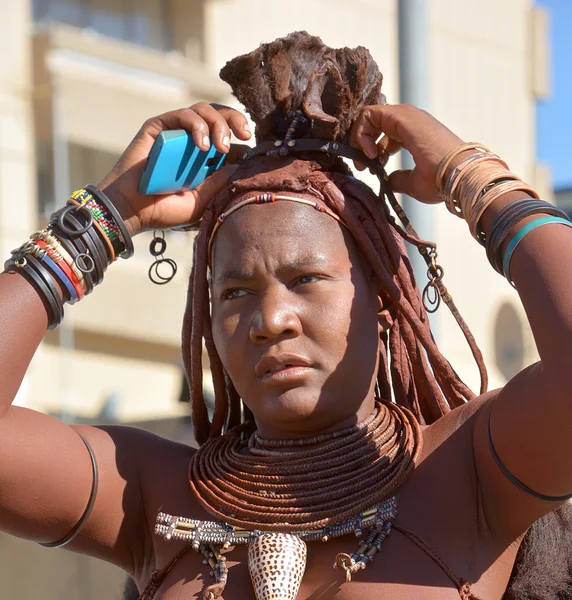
[(297, 412)]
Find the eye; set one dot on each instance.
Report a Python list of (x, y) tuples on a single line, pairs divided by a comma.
[(308, 278), (233, 294)]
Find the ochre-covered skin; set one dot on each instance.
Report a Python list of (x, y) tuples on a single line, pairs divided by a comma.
[(459, 518)]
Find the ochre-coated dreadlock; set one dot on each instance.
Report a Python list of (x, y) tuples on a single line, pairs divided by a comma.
[(299, 75)]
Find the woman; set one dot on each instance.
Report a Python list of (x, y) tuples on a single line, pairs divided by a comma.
[(304, 296)]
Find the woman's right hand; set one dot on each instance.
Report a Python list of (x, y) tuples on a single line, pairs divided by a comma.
[(203, 121), (408, 127)]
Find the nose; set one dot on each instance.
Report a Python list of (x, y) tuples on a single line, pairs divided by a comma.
[(275, 317)]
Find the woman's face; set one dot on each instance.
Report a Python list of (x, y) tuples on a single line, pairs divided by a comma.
[(294, 319)]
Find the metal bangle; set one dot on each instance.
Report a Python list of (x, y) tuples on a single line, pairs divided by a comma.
[(108, 205), (90, 503)]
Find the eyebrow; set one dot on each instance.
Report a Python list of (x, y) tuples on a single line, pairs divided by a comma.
[(293, 265)]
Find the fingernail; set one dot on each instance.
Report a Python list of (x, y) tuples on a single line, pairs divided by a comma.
[(207, 141), (226, 141), (246, 128)]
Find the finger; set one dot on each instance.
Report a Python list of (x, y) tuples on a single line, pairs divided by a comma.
[(218, 126), (375, 120), (209, 188), (183, 118), (387, 147), (359, 165), (400, 181), (236, 121), (236, 152), (408, 182)]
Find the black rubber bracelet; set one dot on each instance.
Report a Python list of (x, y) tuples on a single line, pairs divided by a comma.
[(108, 205), (48, 280), (53, 306), (90, 503), (516, 481), (88, 239), (500, 228), (510, 214)]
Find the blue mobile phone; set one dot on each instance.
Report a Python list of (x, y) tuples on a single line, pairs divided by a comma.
[(175, 163)]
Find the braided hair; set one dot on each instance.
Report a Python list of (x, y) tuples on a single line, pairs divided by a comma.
[(278, 82), (299, 75)]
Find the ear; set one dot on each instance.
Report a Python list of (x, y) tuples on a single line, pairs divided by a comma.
[(384, 317)]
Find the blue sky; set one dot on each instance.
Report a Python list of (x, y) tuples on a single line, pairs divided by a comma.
[(554, 117)]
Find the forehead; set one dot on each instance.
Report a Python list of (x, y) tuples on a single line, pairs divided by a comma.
[(279, 230)]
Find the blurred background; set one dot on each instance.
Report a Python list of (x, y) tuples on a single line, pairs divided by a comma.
[(79, 77)]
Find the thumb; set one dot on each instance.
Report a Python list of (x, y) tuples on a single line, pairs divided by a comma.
[(400, 181), (210, 187)]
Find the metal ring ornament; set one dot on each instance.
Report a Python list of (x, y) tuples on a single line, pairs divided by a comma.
[(154, 274), (76, 209), (82, 262), (90, 241), (431, 304), (157, 241)]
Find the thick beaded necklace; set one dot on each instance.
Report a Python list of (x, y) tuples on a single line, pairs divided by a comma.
[(282, 494)]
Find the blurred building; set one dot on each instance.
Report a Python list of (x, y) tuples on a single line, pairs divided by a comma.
[(78, 79)]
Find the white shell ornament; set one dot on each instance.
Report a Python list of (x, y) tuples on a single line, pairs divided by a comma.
[(276, 562)]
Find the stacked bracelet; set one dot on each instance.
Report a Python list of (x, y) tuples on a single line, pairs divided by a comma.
[(475, 183), (522, 233), (505, 221), (115, 217), (73, 251)]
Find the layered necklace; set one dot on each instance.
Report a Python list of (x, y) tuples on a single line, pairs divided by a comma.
[(276, 495)]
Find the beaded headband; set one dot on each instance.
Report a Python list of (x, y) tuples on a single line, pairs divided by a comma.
[(267, 198)]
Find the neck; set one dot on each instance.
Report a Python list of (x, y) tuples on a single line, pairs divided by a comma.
[(298, 440)]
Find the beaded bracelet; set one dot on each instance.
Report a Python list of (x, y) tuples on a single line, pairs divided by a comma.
[(521, 234), (73, 251), (102, 232), (105, 202), (103, 220)]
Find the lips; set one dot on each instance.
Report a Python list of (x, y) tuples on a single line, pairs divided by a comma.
[(281, 363)]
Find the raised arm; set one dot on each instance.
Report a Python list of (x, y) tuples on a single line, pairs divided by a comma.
[(530, 420), (46, 472)]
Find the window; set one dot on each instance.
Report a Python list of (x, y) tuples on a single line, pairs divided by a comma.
[(86, 165), (143, 22)]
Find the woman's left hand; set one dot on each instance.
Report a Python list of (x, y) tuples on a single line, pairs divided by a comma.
[(408, 127)]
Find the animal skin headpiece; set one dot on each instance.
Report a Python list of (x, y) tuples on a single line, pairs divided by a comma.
[(303, 98)]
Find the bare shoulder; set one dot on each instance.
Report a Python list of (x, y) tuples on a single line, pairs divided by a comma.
[(458, 423)]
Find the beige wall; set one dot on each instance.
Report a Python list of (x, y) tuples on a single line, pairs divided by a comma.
[(484, 74), (481, 88), (482, 84)]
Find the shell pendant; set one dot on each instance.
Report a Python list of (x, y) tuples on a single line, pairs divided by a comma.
[(276, 562)]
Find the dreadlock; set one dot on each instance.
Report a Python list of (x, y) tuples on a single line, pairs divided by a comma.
[(299, 87)]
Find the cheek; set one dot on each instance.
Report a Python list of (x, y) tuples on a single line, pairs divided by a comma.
[(224, 330)]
